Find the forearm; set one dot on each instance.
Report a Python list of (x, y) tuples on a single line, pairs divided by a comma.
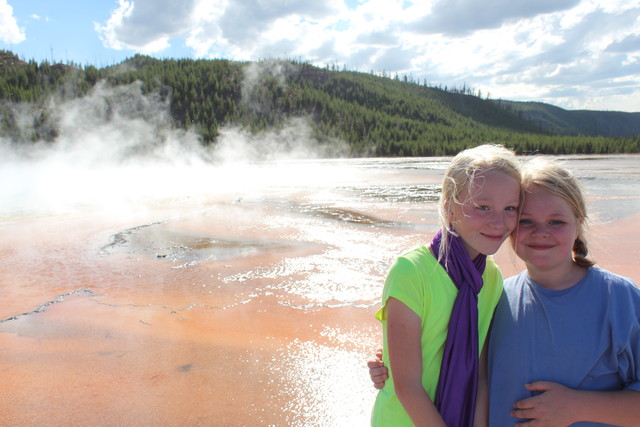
[(620, 408), (418, 405), (481, 416), (405, 363)]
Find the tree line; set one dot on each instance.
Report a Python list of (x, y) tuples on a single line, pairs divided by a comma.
[(374, 115)]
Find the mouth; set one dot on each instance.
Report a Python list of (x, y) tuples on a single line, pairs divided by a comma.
[(539, 247), (494, 237)]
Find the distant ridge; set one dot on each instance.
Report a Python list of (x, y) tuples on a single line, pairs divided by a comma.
[(576, 122)]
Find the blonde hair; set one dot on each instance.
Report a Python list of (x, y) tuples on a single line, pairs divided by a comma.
[(461, 173), (551, 176)]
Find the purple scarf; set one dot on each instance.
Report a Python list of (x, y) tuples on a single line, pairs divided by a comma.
[(458, 383)]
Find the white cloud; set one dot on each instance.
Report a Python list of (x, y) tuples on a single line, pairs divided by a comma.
[(244, 21), (205, 36), (510, 48), (576, 55), (461, 17), (146, 25), (630, 43), (9, 30)]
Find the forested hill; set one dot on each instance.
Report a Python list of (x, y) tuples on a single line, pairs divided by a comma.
[(577, 122), (373, 115)]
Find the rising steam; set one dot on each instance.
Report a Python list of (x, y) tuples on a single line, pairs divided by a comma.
[(117, 144)]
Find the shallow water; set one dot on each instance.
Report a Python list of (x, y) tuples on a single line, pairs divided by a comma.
[(253, 285), (352, 215), (612, 184)]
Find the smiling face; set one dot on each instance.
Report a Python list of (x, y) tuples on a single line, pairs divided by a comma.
[(546, 233), (487, 212)]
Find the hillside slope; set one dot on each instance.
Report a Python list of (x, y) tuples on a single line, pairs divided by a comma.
[(576, 122), (373, 115)]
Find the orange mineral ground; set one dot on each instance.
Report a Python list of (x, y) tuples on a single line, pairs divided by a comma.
[(254, 308)]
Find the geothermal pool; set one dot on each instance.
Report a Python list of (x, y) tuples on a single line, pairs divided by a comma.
[(227, 294)]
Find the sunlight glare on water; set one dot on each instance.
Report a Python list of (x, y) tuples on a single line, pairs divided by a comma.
[(322, 381)]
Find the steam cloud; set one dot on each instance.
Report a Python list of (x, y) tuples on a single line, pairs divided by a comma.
[(117, 145)]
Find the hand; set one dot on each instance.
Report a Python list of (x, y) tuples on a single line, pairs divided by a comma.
[(554, 407), (377, 371)]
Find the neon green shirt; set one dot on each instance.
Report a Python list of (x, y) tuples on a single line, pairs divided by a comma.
[(422, 284)]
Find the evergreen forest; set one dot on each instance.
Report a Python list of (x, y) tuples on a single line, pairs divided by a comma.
[(374, 115)]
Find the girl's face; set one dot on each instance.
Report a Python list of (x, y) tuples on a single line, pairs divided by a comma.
[(487, 213), (546, 231)]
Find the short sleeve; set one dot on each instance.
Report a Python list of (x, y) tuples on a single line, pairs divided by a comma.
[(630, 358), (404, 283)]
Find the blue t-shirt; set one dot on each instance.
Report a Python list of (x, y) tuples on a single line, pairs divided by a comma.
[(586, 337)]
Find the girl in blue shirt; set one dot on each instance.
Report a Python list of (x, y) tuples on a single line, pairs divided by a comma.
[(565, 343)]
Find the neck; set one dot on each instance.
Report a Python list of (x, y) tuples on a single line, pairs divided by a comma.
[(473, 254), (560, 278)]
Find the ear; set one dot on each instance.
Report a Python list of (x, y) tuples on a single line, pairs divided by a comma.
[(450, 215), (579, 224)]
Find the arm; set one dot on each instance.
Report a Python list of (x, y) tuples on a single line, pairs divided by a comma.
[(405, 358), (379, 374), (481, 417), (561, 406)]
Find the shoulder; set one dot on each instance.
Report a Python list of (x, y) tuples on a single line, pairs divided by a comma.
[(416, 257), (614, 282), (418, 253), (492, 269), (514, 284), (620, 299), (414, 265), (619, 293), (515, 280), (408, 277)]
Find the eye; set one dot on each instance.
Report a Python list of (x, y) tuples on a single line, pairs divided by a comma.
[(511, 208), (483, 207), (556, 222), (525, 222)]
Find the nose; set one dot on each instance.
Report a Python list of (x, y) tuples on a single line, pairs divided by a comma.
[(540, 230), (497, 220)]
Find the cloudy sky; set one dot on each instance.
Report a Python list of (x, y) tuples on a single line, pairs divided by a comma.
[(576, 54)]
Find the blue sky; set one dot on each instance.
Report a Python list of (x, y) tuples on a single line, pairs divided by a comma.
[(576, 54)]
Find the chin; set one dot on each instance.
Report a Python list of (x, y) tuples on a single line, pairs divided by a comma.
[(493, 249), (538, 265)]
